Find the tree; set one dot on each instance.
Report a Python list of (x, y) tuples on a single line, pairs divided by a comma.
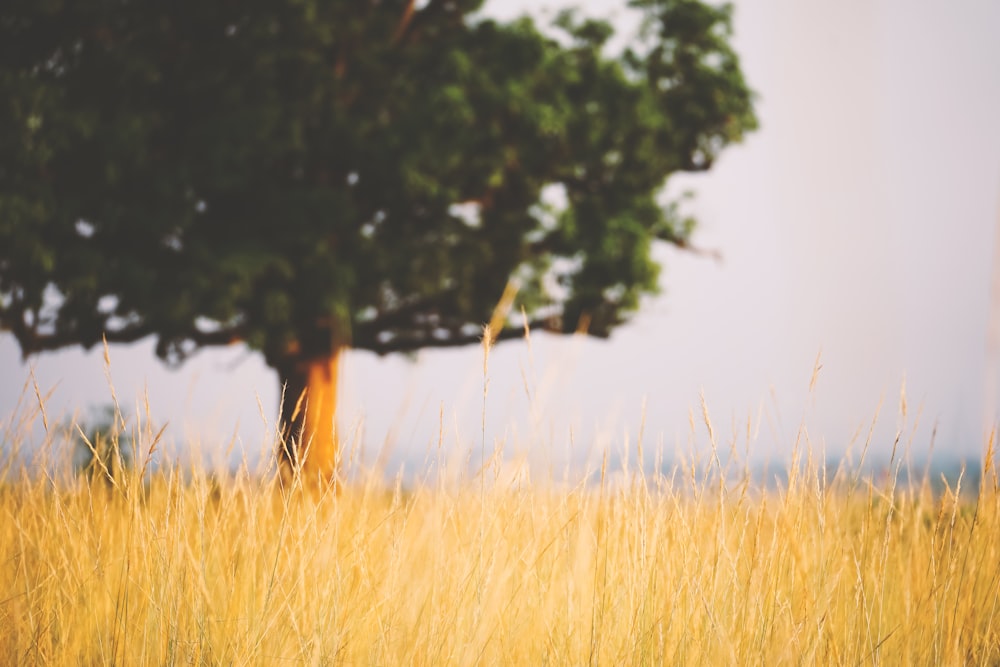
[(307, 176)]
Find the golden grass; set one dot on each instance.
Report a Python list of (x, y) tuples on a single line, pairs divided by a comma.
[(180, 567), (175, 565)]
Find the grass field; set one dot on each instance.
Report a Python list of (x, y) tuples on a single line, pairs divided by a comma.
[(703, 565)]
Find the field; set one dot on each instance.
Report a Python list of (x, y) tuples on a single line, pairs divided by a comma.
[(704, 564)]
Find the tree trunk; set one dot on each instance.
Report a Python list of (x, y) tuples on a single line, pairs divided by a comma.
[(308, 417)]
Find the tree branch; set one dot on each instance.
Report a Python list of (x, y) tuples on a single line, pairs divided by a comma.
[(404, 22), (403, 314), (411, 19), (412, 343), (711, 253), (173, 351), (32, 342), (221, 337), (685, 244)]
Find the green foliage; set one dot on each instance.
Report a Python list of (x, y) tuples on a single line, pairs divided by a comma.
[(302, 175)]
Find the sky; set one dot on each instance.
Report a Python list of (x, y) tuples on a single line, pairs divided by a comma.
[(858, 229)]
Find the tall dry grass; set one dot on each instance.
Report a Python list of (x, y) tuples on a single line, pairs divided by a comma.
[(703, 565)]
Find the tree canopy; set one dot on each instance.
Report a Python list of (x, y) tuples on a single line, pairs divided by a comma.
[(284, 172), (306, 175)]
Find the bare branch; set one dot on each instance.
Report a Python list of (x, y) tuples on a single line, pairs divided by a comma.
[(711, 253)]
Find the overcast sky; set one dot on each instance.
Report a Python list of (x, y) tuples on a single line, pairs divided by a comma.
[(858, 225)]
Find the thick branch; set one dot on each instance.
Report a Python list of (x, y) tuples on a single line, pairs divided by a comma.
[(32, 342)]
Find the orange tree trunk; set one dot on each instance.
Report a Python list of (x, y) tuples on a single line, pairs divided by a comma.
[(308, 416)]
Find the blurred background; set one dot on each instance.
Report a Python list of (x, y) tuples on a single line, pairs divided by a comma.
[(858, 227)]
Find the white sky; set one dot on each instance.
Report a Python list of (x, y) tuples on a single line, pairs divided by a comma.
[(858, 223)]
